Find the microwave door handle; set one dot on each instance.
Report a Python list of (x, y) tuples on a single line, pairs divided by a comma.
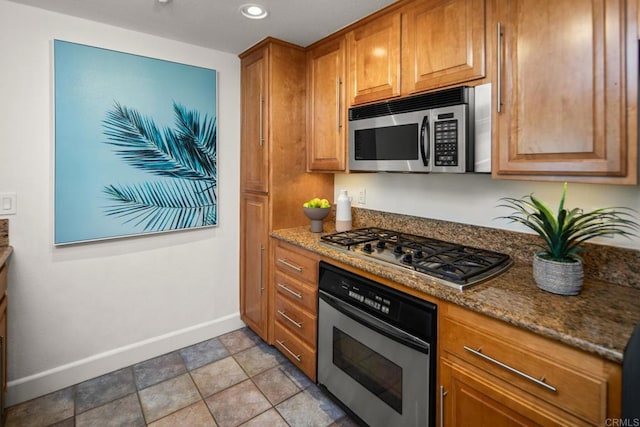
[(425, 140)]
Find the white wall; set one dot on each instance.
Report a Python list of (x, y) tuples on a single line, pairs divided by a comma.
[(79, 311), (473, 198)]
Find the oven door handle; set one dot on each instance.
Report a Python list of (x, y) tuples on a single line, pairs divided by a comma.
[(376, 324)]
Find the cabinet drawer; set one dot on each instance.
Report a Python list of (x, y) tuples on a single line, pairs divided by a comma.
[(296, 264), (529, 369), (296, 351), (303, 295), (297, 321)]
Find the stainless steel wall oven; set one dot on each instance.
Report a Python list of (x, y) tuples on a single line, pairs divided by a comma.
[(376, 349)]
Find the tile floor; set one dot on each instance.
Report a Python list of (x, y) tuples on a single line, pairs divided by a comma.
[(231, 380)]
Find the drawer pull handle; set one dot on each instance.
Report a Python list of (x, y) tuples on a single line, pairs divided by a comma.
[(283, 314), (540, 382), (288, 264), (292, 292), (298, 357)]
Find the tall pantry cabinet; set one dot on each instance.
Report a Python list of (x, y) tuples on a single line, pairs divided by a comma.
[(273, 181)]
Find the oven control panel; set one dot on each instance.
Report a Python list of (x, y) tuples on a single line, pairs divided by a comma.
[(401, 310), (374, 301)]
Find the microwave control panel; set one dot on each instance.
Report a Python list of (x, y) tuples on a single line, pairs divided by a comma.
[(446, 147)]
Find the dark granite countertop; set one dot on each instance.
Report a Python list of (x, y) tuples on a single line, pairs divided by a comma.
[(600, 320)]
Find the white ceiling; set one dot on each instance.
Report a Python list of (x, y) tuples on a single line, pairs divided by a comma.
[(217, 24)]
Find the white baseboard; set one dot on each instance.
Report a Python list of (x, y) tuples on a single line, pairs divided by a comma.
[(41, 383)]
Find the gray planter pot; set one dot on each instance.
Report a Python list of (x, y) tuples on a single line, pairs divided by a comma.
[(563, 278)]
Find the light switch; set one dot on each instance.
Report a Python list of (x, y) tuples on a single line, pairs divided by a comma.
[(8, 203)]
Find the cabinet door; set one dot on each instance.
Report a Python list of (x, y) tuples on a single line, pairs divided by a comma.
[(254, 132), (374, 58), (566, 107), (442, 43), (253, 260), (469, 398), (326, 111)]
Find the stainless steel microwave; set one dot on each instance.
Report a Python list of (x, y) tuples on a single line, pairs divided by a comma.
[(445, 131)]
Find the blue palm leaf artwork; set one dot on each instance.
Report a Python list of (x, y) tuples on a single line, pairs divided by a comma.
[(185, 155), (135, 144)]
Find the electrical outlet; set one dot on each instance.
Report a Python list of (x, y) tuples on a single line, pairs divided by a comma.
[(362, 196), (8, 203)]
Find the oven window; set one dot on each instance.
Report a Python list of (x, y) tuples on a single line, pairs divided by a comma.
[(387, 143), (373, 371)]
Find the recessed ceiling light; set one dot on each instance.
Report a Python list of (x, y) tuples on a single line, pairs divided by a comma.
[(163, 1), (253, 11)]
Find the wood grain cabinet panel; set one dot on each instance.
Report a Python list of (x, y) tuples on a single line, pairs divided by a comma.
[(443, 43), (473, 399), (374, 59), (253, 133), (274, 181), (296, 305), (300, 354), (254, 296), (326, 108), (298, 321), (297, 263), (305, 296), (566, 89), (503, 375)]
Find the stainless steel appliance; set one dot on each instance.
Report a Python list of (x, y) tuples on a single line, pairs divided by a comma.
[(443, 131), (451, 264), (376, 349)]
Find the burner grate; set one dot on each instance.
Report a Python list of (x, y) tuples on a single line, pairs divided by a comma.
[(360, 235), (460, 263), (452, 263)]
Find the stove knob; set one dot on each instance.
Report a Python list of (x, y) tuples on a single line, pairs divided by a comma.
[(398, 249), (418, 254), (381, 244), (407, 259), (367, 248)]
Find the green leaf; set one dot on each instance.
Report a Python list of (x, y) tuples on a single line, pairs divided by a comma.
[(564, 232)]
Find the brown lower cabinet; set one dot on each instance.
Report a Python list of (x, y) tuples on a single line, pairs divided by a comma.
[(495, 374), (489, 373), (295, 289)]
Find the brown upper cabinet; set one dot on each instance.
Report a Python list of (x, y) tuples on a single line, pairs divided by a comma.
[(254, 148), (374, 59), (413, 47), (423, 45), (442, 43), (564, 75), (326, 108), (565, 90)]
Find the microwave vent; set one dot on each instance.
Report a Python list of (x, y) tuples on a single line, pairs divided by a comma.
[(442, 98)]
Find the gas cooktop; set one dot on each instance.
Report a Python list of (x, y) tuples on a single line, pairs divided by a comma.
[(451, 264)]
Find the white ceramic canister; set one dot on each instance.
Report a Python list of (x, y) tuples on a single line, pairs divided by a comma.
[(343, 212)]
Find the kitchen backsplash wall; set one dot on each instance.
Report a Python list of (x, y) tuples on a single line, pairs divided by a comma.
[(474, 198), (620, 266)]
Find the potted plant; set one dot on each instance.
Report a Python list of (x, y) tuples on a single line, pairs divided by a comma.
[(558, 267)]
